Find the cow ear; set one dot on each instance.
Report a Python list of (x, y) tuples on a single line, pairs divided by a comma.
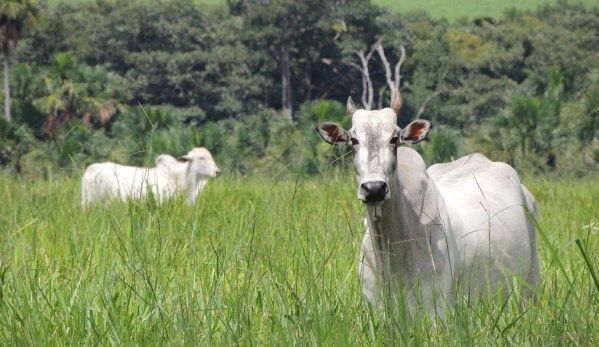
[(183, 159), (415, 131), (333, 133)]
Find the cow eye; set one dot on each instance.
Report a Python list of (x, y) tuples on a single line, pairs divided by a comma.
[(394, 140), (354, 141)]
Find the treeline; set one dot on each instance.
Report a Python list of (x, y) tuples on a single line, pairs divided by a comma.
[(124, 80)]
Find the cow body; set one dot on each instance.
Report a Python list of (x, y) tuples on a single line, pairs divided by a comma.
[(469, 232), (187, 174), (488, 209), (460, 228), (106, 181)]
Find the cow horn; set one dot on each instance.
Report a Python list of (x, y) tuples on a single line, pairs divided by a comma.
[(351, 108), (396, 101)]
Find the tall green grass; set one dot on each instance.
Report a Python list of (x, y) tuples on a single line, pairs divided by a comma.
[(256, 261)]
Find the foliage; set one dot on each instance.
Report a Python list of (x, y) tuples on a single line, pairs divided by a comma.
[(519, 88), (443, 146), (15, 17), (69, 91), (15, 140)]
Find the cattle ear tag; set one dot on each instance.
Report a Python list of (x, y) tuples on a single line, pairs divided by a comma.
[(333, 133)]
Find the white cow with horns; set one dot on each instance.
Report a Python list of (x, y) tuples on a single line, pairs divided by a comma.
[(187, 174), (458, 228)]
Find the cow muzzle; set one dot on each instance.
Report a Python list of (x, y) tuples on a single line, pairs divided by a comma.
[(373, 192)]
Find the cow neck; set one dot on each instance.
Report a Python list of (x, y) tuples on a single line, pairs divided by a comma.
[(199, 186), (395, 225), (194, 185)]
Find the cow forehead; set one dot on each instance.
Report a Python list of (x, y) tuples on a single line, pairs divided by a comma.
[(365, 123), (197, 151)]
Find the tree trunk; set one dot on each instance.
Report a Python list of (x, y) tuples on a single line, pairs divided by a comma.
[(7, 114), (285, 81)]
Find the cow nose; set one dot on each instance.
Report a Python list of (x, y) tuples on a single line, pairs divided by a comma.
[(217, 172), (374, 191)]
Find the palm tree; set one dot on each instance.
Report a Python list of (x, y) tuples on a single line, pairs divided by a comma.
[(15, 17), (71, 90)]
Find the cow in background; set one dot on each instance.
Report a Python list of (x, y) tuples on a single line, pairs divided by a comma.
[(187, 174)]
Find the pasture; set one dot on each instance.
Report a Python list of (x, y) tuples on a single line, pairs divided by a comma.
[(258, 261), (454, 9), (448, 9)]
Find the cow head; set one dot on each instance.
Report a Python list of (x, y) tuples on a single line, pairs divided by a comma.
[(374, 138), (200, 162)]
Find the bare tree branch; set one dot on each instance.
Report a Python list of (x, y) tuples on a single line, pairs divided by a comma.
[(393, 81), (393, 78), (366, 91), (381, 94), (402, 49), (367, 88), (381, 51), (356, 66), (423, 106)]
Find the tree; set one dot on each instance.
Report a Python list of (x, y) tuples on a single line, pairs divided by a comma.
[(177, 53), (15, 17), (393, 79), (367, 89), (293, 32), (76, 91)]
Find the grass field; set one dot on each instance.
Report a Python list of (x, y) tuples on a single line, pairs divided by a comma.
[(453, 9), (450, 9), (256, 261)]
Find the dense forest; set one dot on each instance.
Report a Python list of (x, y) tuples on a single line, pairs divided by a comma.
[(249, 79)]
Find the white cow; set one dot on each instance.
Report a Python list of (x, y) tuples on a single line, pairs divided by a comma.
[(187, 174), (459, 228)]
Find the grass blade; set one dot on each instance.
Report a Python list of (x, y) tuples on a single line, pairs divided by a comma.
[(588, 263)]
